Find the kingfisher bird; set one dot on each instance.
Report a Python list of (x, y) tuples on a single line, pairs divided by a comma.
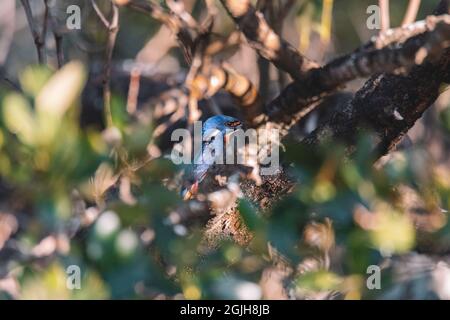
[(216, 132)]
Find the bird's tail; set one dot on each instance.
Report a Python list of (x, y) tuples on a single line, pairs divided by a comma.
[(190, 192)]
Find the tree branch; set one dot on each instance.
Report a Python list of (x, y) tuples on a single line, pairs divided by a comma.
[(411, 12), (176, 25), (385, 15), (365, 61), (38, 39), (113, 29), (389, 105), (206, 78), (265, 41), (56, 35)]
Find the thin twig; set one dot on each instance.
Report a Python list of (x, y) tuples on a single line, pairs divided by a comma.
[(284, 11), (388, 115), (205, 78), (326, 20), (59, 49), (113, 29), (38, 40), (265, 40), (179, 9), (385, 16), (133, 90), (10, 83), (56, 35), (175, 24), (263, 63), (363, 62), (8, 17), (411, 12), (100, 14), (45, 21)]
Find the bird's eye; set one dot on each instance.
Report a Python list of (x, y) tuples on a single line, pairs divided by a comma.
[(233, 124)]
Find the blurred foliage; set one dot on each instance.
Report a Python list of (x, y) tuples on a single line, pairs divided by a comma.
[(133, 251)]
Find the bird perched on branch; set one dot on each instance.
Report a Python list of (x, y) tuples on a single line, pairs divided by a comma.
[(216, 133)]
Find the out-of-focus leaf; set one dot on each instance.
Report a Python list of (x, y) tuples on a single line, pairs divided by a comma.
[(250, 216), (56, 97), (107, 225), (126, 243), (323, 191), (445, 118), (360, 253), (118, 110), (62, 90), (34, 78), (319, 281), (104, 179), (18, 117), (394, 233), (52, 284), (2, 139), (443, 87), (232, 288)]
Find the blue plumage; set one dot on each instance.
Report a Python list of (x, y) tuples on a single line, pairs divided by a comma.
[(214, 131)]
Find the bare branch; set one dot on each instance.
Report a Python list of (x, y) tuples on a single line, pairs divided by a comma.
[(389, 105), (45, 22), (179, 9), (100, 14), (59, 49), (10, 83), (113, 29), (242, 90), (133, 90), (205, 78), (264, 40), (7, 25), (56, 35), (385, 16), (37, 36), (361, 63), (411, 12), (284, 11), (389, 59), (177, 26)]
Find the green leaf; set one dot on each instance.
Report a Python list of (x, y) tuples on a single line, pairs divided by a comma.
[(319, 281), (18, 118), (249, 215), (445, 118), (394, 233), (56, 97), (62, 90), (443, 87), (34, 78)]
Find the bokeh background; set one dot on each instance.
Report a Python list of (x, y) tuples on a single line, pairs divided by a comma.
[(75, 193)]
